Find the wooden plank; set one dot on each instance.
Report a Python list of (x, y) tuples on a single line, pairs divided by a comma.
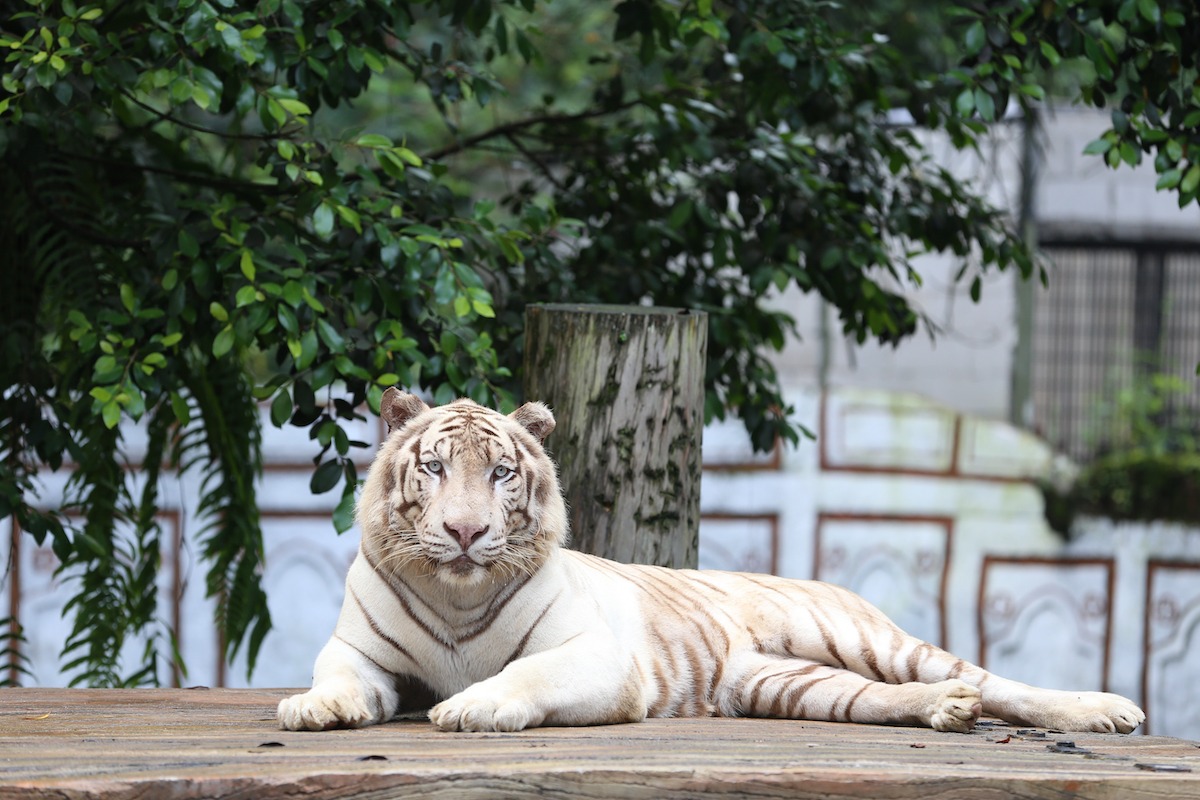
[(119, 745)]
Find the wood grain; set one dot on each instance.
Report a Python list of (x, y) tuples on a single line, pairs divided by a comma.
[(184, 744)]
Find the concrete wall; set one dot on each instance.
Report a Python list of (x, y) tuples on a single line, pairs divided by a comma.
[(1080, 194), (968, 365)]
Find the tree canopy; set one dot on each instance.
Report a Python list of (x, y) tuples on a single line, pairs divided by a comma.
[(211, 204)]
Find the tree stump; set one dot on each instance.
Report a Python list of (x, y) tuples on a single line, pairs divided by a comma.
[(626, 384)]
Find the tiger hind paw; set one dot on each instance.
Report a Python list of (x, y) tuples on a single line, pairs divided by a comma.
[(953, 706), (1099, 712)]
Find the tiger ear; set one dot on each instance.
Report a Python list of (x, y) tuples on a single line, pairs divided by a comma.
[(536, 418), (397, 408)]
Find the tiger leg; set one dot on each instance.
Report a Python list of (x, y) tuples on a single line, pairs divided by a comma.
[(892, 655), (871, 645), (1023, 704), (349, 691), (790, 688), (588, 680)]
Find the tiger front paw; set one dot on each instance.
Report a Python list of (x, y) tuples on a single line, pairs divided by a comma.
[(330, 706), (474, 709)]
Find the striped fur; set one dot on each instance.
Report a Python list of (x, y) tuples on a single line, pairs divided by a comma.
[(462, 584)]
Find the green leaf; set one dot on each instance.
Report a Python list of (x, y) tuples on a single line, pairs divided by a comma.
[(1191, 180), (187, 244), (218, 311), (246, 295), (964, 104), (373, 140), (391, 163), (128, 298), (179, 408), (325, 477), (247, 265), (294, 107), (281, 408), (985, 105), (223, 342), (330, 336), (323, 220), (373, 61), (1129, 153), (1169, 179), (313, 303), (407, 155), (975, 37), (343, 515), (1097, 147), (308, 349), (111, 413), (462, 306), (350, 217)]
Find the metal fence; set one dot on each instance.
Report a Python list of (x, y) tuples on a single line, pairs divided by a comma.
[(1116, 344)]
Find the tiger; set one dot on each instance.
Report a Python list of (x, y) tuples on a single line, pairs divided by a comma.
[(463, 590)]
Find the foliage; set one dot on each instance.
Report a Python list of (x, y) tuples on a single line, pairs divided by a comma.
[(1142, 59), (1151, 414), (11, 639), (1137, 484), (201, 214), (1148, 462)]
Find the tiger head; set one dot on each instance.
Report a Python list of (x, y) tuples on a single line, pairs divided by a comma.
[(461, 493)]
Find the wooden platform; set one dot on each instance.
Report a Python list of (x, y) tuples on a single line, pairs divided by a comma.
[(199, 743)]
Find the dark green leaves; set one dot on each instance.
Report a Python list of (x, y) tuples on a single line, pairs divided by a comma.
[(326, 476), (1141, 57)]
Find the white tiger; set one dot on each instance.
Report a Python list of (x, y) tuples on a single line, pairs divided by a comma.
[(462, 586)]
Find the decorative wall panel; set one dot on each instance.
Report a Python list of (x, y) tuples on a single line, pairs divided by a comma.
[(1047, 621), (897, 563), (1171, 680), (740, 543)]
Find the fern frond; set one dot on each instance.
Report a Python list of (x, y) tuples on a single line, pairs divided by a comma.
[(231, 540)]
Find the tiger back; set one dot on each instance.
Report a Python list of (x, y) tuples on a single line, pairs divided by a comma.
[(463, 584)]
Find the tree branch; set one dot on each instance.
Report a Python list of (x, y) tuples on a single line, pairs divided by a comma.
[(195, 178), (539, 163), (165, 117), (510, 129)]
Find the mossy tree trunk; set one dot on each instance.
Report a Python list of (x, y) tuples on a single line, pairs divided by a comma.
[(626, 384)]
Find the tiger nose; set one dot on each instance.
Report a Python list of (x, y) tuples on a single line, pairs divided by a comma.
[(467, 533)]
